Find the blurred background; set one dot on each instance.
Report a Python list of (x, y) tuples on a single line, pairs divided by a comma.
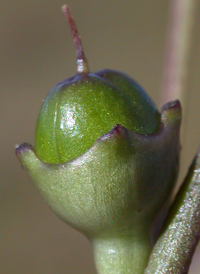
[(36, 52)]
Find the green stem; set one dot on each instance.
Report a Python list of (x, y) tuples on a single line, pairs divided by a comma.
[(122, 254), (174, 249)]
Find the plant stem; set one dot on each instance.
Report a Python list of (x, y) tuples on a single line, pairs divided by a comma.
[(121, 255), (180, 25), (174, 249)]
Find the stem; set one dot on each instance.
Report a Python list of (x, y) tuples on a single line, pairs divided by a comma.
[(181, 22), (121, 255), (82, 63), (174, 249)]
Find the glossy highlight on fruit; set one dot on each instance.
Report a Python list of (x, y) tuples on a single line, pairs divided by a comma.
[(82, 108)]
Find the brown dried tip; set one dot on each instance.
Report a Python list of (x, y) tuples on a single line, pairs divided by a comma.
[(82, 64)]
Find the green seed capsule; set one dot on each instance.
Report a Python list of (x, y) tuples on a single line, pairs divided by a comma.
[(81, 109)]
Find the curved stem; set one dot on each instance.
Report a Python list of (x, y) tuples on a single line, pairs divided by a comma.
[(82, 63)]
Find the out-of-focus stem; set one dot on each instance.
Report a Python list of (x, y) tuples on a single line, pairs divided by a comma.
[(180, 25)]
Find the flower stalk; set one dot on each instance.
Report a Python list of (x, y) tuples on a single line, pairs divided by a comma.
[(122, 254)]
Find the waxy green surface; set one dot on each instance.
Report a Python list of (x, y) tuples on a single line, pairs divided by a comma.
[(79, 110)]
